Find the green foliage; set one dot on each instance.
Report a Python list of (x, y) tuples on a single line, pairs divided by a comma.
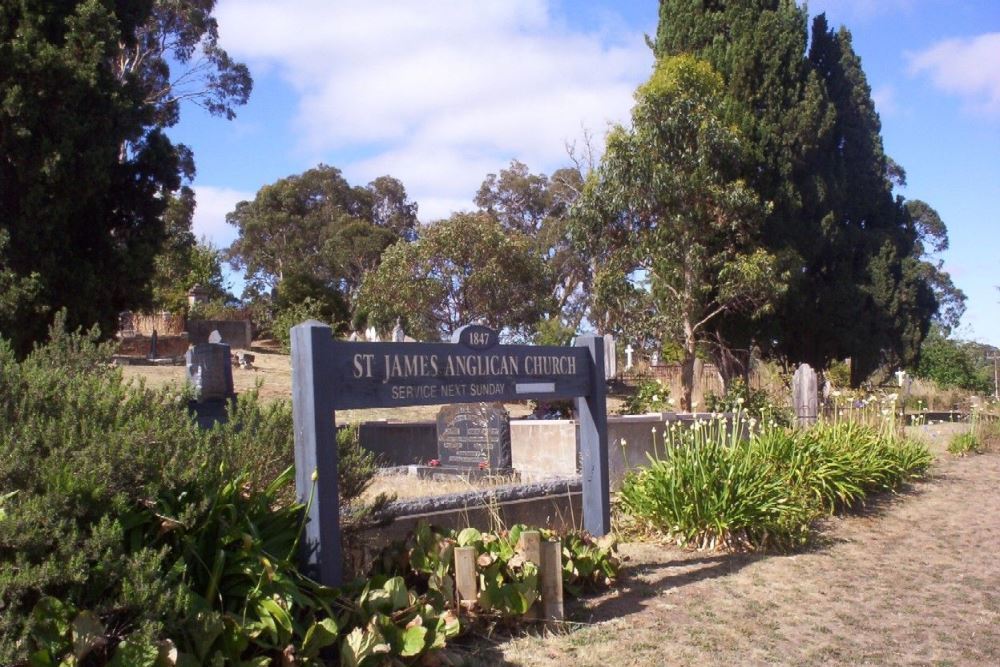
[(537, 207), (668, 204), (739, 397), (86, 91), (952, 363), (862, 282), (290, 316), (766, 491), (128, 536), (315, 235), (650, 396), (461, 270), (119, 517), (964, 444)]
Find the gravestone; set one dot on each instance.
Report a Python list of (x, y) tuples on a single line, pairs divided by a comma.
[(215, 337), (610, 358), (398, 335), (153, 341), (210, 371), (628, 356), (474, 438), (805, 395)]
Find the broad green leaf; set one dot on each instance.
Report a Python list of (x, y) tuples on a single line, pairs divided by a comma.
[(413, 641), (319, 636)]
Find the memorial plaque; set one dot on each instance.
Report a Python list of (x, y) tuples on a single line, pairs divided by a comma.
[(474, 437)]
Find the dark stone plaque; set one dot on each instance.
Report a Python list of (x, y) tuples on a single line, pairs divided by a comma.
[(474, 436)]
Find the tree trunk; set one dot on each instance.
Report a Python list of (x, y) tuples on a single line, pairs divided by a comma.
[(687, 368)]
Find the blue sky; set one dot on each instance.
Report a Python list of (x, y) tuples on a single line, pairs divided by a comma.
[(441, 92)]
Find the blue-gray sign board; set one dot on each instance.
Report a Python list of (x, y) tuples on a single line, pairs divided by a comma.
[(330, 375)]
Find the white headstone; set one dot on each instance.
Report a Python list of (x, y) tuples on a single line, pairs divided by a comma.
[(900, 376), (610, 357), (215, 336), (656, 358), (354, 337), (805, 395), (371, 335), (628, 356), (398, 335)]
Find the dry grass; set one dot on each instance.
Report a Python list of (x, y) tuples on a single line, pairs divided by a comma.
[(908, 580)]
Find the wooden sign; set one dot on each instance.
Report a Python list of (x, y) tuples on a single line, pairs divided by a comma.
[(330, 375)]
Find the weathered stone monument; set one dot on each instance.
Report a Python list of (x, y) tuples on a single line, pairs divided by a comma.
[(805, 395), (610, 358), (210, 371), (215, 337), (474, 439), (628, 356)]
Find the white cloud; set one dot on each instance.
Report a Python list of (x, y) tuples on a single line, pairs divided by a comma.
[(885, 100), (210, 213), (969, 68), (441, 92)]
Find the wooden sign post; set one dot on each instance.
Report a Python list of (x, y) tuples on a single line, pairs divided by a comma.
[(330, 375)]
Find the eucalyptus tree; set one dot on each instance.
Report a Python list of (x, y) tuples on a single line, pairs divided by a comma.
[(460, 270), (314, 235), (537, 206), (667, 208)]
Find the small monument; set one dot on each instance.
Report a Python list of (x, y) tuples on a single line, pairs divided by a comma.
[(398, 335), (215, 337), (628, 356), (210, 371), (805, 395), (473, 440), (610, 358)]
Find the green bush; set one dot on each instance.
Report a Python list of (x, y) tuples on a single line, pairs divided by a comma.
[(293, 314), (964, 444), (130, 537), (766, 491), (739, 397), (649, 396)]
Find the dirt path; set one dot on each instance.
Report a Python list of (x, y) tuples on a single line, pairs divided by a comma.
[(912, 580)]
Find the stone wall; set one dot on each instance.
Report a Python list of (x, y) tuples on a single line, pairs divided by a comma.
[(235, 333), (166, 346), (556, 504)]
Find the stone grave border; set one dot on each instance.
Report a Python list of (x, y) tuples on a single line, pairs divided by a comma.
[(330, 375)]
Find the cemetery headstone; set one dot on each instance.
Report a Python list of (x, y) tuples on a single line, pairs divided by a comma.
[(474, 438), (628, 356), (656, 358), (398, 335), (153, 340), (900, 377), (610, 358), (371, 335), (210, 371), (805, 395), (215, 336)]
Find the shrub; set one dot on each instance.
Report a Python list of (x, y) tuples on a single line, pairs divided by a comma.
[(116, 511), (649, 396), (739, 397), (766, 491), (964, 444), (293, 314)]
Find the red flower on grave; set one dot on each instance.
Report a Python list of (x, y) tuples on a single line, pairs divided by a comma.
[(483, 465), (433, 463)]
